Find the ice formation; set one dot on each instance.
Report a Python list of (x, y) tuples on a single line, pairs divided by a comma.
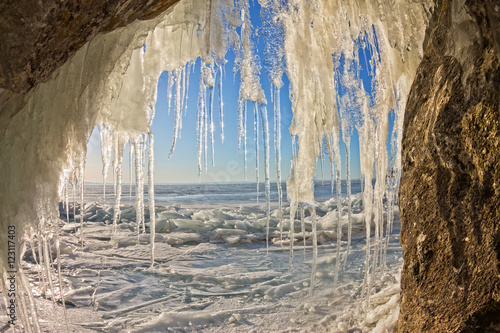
[(320, 45)]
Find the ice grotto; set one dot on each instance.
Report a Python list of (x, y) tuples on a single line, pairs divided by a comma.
[(66, 67)]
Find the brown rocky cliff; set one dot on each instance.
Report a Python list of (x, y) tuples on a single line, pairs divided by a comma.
[(39, 36), (450, 186)]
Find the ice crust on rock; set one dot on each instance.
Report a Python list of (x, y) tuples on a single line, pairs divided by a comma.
[(112, 81)]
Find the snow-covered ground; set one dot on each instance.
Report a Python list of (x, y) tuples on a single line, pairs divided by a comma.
[(213, 273)]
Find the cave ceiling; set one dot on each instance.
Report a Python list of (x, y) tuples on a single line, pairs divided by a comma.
[(38, 36)]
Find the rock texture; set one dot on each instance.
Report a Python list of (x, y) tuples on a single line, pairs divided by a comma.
[(40, 35), (450, 187)]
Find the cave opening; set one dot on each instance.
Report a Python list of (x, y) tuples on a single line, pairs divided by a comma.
[(332, 111)]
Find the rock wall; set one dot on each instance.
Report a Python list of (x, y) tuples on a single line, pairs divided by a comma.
[(450, 186), (39, 36)]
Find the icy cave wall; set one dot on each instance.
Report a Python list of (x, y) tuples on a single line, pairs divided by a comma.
[(450, 187), (45, 131)]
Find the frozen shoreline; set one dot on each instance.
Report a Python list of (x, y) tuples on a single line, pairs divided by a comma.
[(213, 274)]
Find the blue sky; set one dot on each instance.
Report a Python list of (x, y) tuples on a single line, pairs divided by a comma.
[(182, 166)]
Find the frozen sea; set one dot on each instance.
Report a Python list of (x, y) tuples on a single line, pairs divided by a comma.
[(213, 271)]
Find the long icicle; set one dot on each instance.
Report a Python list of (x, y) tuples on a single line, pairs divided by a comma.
[(177, 108), (256, 136), (41, 261), (46, 261), (169, 89), (74, 198), (212, 127), (291, 236), (139, 189), (143, 163), (200, 118), (245, 138), (31, 300), (151, 196), (315, 249), (338, 185), (130, 168), (66, 200), (349, 202), (118, 161), (221, 104), (21, 300), (390, 218), (106, 150), (31, 242), (265, 134), (277, 156), (205, 135), (188, 74), (82, 208), (367, 207), (183, 96), (58, 254)]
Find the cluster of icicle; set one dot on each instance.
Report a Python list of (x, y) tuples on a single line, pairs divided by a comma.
[(321, 45)]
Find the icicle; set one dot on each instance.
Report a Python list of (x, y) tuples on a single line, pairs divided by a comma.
[(245, 138), (31, 242), (26, 286), (349, 201), (151, 196), (58, 254), (367, 212), (242, 131), (338, 185), (143, 163), (277, 156), (169, 89), (139, 187), (114, 183), (205, 138), (130, 158), (322, 158), (74, 199), (366, 159), (183, 96), (66, 200), (207, 80), (211, 114), (188, 72), (240, 121), (291, 234), (388, 230), (106, 149), (332, 165), (265, 134), (315, 249), (118, 161), (256, 137), (178, 109), (221, 104), (25, 318), (46, 261), (42, 259), (82, 206), (200, 119)]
